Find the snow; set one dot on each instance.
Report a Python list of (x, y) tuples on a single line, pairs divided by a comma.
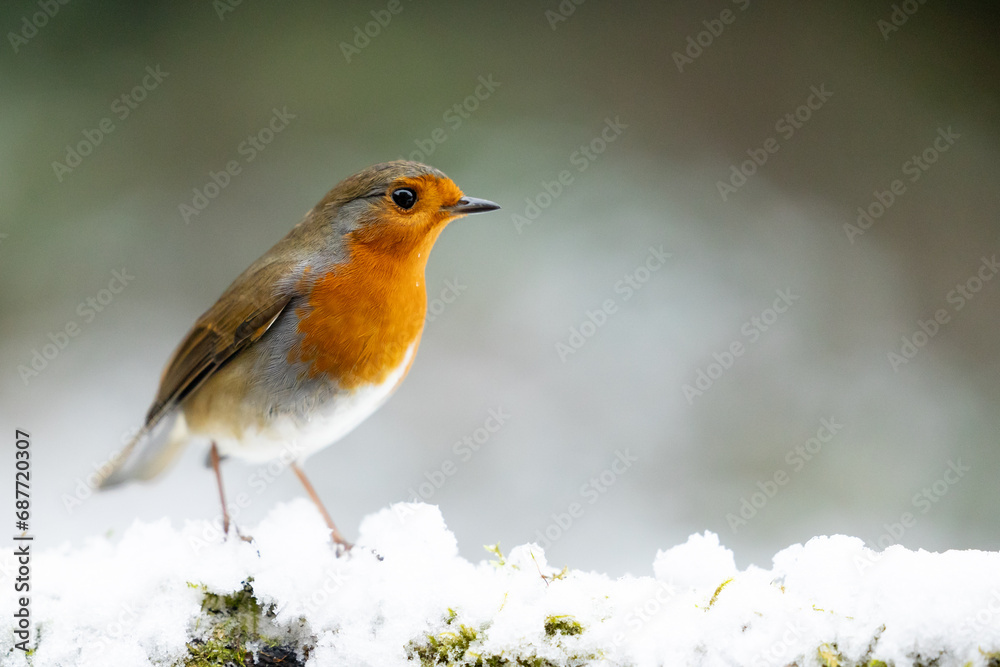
[(137, 600)]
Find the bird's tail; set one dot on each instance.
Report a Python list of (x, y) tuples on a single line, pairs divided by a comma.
[(150, 451)]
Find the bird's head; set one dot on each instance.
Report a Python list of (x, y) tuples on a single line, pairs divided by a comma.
[(400, 204)]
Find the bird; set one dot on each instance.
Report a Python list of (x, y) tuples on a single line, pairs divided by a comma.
[(311, 339)]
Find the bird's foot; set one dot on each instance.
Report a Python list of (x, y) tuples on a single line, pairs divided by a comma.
[(236, 530), (340, 546), (343, 549)]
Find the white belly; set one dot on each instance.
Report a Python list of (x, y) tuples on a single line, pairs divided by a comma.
[(290, 439)]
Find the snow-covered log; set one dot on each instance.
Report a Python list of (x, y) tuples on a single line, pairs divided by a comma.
[(403, 596)]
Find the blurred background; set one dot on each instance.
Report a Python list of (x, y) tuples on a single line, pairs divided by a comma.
[(680, 279)]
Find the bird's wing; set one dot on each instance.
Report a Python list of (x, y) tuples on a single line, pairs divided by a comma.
[(241, 316)]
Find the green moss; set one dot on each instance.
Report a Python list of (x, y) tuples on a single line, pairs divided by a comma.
[(992, 658), (875, 663), (829, 656), (495, 550), (446, 648), (239, 611), (715, 595), (561, 574), (29, 655), (215, 651), (234, 627), (562, 625), (460, 646)]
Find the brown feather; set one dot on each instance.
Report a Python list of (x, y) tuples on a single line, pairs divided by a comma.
[(233, 323)]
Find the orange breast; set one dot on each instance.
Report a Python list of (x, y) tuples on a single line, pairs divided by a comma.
[(365, 314)]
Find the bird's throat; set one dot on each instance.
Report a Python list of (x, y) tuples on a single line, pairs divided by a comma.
[(365, 314)]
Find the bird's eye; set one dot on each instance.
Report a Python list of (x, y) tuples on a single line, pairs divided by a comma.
[(404, 198)]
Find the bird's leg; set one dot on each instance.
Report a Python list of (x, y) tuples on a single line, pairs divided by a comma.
[(334, 533), (222, 494)]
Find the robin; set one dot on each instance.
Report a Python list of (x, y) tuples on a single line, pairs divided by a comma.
[(312, 338)]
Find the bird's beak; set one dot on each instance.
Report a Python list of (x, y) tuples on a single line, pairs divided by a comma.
[(472, 205)]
